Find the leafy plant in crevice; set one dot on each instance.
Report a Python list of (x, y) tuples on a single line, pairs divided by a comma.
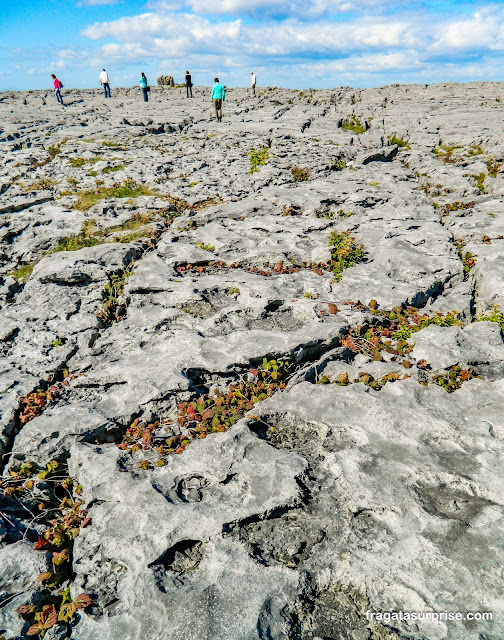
[(339, 165), (453, 378), (345, 253), (493, 316), (209, 413), (35, 402), (392, 330), (258, 158), (112, 310), (126, 189), (467, 257), (480, 181), (445, 209), (493, 167), (22, 274), (300, 174), (205, 247), (53, 501)]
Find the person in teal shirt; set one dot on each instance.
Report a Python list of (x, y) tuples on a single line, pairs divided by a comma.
[(144, 85), (218, 96)]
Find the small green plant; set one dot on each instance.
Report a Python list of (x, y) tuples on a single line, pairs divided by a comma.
[(77, 162), (454, 378), (300, 174), (258, 158), (193, 184), (493, 167), (54, 150), (232, 290), (339, 165), (112, 310), (92, 174), (494, 316), (374, 184), (353, 124), (467, 258), (110, 143), (112, 169), (59, 342), (205, 247), (480, 181), (475, 150), (345, 253), (311, 296), (23, 273), (73, 182)]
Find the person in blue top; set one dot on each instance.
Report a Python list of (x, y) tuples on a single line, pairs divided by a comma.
[(145, 87), (218, 96)]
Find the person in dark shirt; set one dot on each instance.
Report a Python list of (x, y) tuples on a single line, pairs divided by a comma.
[(188, 84)]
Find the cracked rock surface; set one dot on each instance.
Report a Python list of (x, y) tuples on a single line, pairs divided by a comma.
[(151, 257)]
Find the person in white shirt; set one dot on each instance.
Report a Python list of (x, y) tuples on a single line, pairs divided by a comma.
[(105, 82), (253, 81)]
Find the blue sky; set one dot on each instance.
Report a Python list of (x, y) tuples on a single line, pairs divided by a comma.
[(289, 43)]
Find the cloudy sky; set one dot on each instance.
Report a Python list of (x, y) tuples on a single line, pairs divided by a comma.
[(289, 43)]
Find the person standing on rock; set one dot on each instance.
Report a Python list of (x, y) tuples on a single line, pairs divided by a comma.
[(105, 82), (218, 96), (188, 84), (253, 81), (57, 89), (144, 85)]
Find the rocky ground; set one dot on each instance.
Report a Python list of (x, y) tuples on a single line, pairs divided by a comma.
[(252, 372)]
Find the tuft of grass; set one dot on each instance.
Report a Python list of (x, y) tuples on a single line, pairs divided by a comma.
[(112, 169), (258, 158), (22, 274), (353, 124), (193, 184), (45, 184), (475, 150), (127, 189), (110, 143), (339, 165), (399, 142), (54, 150), (77, 162), (205, 247), (301, 174)]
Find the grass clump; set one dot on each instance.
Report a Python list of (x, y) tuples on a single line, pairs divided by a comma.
[(127, 189), (110, 143), (399, 142), (112, 169), (345, 253), (112, 310), (354, 125), (205, 247), (54, 150), (301, 174), (44, 184), (475, 150), (258, 158), (22, 274), (77, 162)]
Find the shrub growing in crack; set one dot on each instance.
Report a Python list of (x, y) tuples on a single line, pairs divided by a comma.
[(300, 174), (258, 158), (112, 310), (494, 316), (34, 403), (52, 499), (467, 258)]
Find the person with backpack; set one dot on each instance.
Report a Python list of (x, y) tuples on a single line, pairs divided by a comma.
[(105, 82), (144, 85), (188, 84), (218, 96), (57, 89)]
